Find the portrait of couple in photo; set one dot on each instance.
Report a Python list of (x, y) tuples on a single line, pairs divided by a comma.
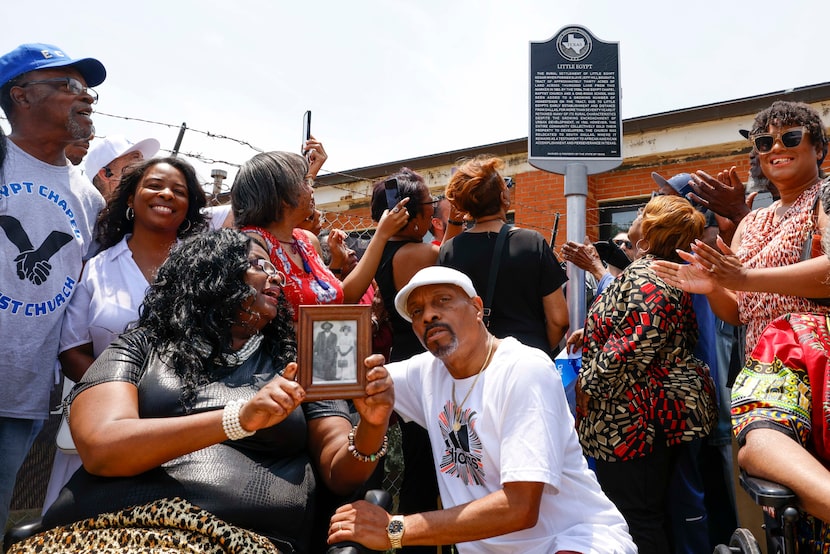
[(335, 351)]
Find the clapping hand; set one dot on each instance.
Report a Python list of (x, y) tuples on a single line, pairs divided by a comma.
[(723, 195)]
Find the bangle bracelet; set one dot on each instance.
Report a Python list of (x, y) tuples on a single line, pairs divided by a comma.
[(337, 271), (455, 222), (230, 421), (371, 457)]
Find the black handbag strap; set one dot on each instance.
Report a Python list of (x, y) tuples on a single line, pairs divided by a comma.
[(494, 272)]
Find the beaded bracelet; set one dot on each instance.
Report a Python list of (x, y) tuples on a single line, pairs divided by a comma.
[(363, 457), (230, 421)]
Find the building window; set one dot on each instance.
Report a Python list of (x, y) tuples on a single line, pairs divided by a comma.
[(616, 217)]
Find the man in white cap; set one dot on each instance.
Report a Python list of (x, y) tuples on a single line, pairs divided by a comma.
[(47, 213), (109, 156), (510, 469)]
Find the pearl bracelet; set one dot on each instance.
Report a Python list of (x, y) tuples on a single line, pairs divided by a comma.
[(230, 421), (363, 457)]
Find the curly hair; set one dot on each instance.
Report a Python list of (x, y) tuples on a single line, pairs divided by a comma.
[(264, 184), (789, 114), (476, 187), (189, 310), (410, 185), (112, 221), (670, 223)]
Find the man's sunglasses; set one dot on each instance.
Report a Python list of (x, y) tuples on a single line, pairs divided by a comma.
[(623, 243), (790, 138)]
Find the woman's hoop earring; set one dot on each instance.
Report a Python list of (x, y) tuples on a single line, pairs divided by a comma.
[(643, 250), (186, 229), (130, 213)]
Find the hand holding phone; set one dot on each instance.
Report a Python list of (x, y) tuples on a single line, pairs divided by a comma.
[(392, 193), (306, 131)]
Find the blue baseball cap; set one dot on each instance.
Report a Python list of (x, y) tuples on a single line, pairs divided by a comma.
[(34, 56), (680, 182)]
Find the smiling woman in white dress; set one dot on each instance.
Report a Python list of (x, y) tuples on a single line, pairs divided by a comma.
[(157, 202)]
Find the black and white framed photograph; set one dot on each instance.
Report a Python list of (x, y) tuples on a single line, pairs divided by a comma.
[(333, 341)]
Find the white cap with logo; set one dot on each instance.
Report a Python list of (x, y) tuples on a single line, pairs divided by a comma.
[(104, 151), (432, 275)]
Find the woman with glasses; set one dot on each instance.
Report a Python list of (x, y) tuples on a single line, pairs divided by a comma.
[(271, 197), (156, 203), (759, 277), (528, 302), (192, 422)]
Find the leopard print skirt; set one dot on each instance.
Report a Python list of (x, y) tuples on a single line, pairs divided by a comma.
[(164, 526)]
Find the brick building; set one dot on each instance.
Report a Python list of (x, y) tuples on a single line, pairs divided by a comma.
[(703, 137)]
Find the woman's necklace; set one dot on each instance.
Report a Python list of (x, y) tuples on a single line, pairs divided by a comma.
[(294, 244), (236, 359), (456, 417)]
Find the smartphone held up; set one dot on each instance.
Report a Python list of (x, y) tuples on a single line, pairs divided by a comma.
[(392, 194), (306, 131)]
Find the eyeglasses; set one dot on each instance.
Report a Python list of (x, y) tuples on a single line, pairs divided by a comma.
[(790, 138), (268, 268), (72, 85), (623, 243)]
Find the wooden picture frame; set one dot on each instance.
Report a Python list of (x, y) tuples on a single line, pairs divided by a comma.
[(333, 340)]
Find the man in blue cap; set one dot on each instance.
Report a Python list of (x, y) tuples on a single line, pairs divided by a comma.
[(47, 213)]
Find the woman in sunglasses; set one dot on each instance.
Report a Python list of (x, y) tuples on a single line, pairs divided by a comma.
[(759, 278)]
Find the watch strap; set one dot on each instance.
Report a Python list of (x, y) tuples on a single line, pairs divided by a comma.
[(395, 536)]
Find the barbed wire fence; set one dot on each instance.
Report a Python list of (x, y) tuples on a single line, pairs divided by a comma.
[(360, 228)]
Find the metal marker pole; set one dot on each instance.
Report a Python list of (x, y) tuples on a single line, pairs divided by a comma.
[(576, 193)]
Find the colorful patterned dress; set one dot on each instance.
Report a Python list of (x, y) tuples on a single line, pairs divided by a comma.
[(311, 284), (639, 370), (766, 243), (775, 390)]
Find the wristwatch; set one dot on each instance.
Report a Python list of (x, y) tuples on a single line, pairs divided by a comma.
[(395, 531)]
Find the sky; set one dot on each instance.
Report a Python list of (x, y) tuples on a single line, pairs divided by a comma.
[(391, 80)]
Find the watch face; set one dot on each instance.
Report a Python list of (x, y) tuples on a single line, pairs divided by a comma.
[(395, 526)]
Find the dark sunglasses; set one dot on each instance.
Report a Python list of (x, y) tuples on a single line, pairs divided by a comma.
[(791, 138), (623, 243)]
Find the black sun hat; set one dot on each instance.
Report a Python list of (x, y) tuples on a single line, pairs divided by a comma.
[(612, 254)]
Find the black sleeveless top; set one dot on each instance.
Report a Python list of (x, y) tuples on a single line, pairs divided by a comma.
[(264, 482), (404, 342)]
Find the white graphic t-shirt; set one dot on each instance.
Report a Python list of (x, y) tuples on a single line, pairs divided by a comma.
[(47, 215), (514, 426)]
